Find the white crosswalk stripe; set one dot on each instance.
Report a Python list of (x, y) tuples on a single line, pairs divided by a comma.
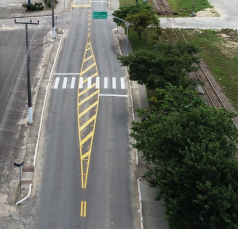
[(114, 86), (64, 83), (69, 82), (122, 83), (56, 82), (97, 82), (81, 82), (105, 82), (89, 82), (72, 82)]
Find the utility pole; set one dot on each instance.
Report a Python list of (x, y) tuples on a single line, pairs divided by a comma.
[(53, 20), (30, 116), (193, 14)]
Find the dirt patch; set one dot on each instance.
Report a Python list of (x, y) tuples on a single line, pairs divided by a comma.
[(209, 12)]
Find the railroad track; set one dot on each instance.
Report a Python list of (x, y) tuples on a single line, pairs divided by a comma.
[(211, 96)]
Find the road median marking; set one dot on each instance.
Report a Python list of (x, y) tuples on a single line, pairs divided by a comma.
[(87, 109), (83, 209)]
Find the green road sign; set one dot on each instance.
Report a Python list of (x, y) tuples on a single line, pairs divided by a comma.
[(99, 15)]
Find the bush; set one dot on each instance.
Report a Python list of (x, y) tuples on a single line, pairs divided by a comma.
[(33, 7)]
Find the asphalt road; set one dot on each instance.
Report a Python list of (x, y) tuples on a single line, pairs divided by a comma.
[(98, 191), (13, 89)]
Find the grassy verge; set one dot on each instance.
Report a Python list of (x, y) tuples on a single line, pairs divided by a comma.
[(127, 2), (184, 7), (219, 49)]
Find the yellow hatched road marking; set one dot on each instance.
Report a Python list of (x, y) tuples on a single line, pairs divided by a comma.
[(87, 69), (87, 137), (87, 98), (83, 208), (86, 123), (93, 75), (88, 109), (88, 58), (86, 154)]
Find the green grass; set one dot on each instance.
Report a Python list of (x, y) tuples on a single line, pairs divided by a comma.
[(221, 56), (218, 51), (184, 7), (127, 2)]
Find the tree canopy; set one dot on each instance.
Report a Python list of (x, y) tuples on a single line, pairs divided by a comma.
[(123, 12), (140, 16), (165, 63), (191, 156)]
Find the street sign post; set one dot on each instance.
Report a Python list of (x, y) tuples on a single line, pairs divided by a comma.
[(99, 15), (19, 165)]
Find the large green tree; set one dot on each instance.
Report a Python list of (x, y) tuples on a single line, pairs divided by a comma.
[(141, 20), (165, 63), (191, 156), (123, 12), (140, 16)]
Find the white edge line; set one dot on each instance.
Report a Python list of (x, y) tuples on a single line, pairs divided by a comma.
[(140, 202), (66, 74), (133, 118), (43, 109), (132, 105), (42, 114), (113, 95)]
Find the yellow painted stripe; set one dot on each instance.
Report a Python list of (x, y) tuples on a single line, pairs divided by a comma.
[(85, 208), (84, 91), (88, 109), (86, 154), (90, 96), (87, 137), (81, 209), (88, 58), (87, 69), (86, 123)]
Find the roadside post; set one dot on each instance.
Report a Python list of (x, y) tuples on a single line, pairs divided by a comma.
[(127, 25), (193, 14), (30, 115), (19, 165)]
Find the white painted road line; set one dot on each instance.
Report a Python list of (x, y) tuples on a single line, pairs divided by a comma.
[(67, 74), (113, 95), (64, 82), (105, 82), (72, 82), (89, 82), (81, 82), (122, 83), (114, 86), (97, 82), (56, 82)]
